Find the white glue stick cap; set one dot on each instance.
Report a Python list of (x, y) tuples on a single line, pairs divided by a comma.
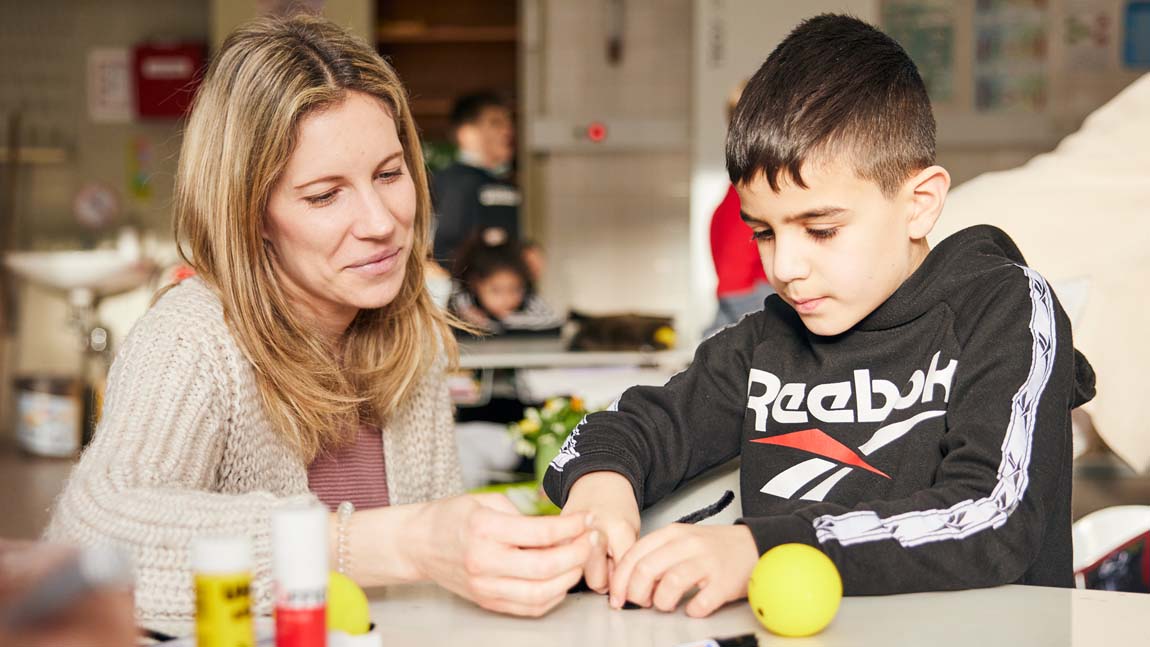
[(221, 555), (299, 547)]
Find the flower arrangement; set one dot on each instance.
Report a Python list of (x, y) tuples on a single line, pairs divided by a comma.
[(541, 432)]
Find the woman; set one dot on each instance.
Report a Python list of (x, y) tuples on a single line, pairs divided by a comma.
[(306, 351)]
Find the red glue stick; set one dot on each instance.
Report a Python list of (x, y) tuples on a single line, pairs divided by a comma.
[(299, 566)]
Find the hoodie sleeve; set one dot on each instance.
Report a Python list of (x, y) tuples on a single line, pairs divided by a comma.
[(1004, 480), (661, 437)]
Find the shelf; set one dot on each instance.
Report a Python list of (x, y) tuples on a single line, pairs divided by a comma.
[(435, 107), (36, 155), (389, 34)]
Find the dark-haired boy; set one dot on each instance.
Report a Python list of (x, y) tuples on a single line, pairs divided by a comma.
[(904, 410)]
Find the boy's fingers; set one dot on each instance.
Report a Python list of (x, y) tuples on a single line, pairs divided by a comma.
[(706, 601), (675, 583), (620, 538), (595, 570), (625, 566), (649, 571), (612, 539)]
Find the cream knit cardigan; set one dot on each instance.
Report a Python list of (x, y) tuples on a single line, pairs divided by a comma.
[(184, 450)]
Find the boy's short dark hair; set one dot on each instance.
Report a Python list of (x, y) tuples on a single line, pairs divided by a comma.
[(468, 108), (835, 86)]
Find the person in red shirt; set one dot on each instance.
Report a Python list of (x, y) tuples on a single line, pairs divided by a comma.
[(742, 282)]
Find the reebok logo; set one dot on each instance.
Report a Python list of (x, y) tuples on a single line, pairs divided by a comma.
[(793, 402), (831, 454)]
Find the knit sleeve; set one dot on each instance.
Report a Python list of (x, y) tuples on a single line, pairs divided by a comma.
[(445, 452), (149, 480)]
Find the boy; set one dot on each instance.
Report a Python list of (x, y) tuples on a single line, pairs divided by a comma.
[(473, 194), (904, 410)]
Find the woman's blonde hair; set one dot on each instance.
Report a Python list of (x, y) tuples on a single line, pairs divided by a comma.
[(269, 75)]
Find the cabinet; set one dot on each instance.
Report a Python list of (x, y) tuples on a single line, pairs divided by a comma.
[(447, 48)]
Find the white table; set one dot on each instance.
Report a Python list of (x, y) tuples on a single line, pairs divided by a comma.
[(1011, 615), (543, 368), (551, 352)]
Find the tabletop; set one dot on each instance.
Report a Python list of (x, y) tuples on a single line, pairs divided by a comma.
[(552, 352), (1015, 615)]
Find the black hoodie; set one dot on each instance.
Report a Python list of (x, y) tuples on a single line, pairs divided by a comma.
[(926, 448)]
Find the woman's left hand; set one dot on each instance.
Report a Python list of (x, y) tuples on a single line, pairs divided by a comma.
[(480, 547)]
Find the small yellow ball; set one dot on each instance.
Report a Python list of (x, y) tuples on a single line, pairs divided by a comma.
[(347, 609), (795, 590)]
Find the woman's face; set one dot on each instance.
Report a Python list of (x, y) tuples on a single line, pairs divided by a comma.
[(340, 219)]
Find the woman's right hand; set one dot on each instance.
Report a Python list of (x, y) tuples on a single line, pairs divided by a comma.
[(481, 547)]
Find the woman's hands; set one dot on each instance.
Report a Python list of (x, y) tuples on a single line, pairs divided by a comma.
[(479, 547)]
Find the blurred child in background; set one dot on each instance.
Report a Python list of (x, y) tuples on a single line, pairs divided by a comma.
[(495, 288)]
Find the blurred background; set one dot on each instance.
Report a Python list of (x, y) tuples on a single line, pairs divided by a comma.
[(619, 108)]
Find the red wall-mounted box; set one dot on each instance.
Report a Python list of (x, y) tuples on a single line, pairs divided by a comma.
[(167, 75)]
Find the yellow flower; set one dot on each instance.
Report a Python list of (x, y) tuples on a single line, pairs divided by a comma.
[(553, 406), (576, 403), (665, 335), (529, 425)]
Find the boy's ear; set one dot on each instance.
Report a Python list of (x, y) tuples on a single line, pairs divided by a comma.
[(928, 189)]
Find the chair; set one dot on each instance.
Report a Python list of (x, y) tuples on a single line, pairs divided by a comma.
[(1100, 532)]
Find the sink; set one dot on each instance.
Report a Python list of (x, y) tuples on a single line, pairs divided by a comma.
[(101, 272)]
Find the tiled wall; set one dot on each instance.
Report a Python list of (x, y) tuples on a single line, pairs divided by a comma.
[(614, 222), (617, 231), (44, 47)]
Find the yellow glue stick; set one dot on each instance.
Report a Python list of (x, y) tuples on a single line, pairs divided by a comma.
[(223, 572)]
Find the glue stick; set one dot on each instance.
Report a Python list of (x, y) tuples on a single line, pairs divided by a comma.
[(299, 567), (223, 576)]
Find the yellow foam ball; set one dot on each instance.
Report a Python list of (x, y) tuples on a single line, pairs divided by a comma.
[(347, 609), (795, 590)]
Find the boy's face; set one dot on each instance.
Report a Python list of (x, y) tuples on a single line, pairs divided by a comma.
[(839, 248)]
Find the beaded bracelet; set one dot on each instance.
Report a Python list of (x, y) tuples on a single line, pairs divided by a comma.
[(343, 547)]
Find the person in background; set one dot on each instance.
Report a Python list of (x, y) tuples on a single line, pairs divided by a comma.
[(495, 287), (305, 361), (474, 194), (742, 282)]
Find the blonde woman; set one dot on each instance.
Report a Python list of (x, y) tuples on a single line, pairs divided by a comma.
[(306, 359)]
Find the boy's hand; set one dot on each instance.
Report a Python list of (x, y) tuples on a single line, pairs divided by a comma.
[(608, 497), (663, 566)]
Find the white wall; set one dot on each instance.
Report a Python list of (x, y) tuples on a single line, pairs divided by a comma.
[(612, 216)]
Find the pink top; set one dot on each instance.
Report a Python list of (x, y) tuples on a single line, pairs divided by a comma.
[(355, 472)]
